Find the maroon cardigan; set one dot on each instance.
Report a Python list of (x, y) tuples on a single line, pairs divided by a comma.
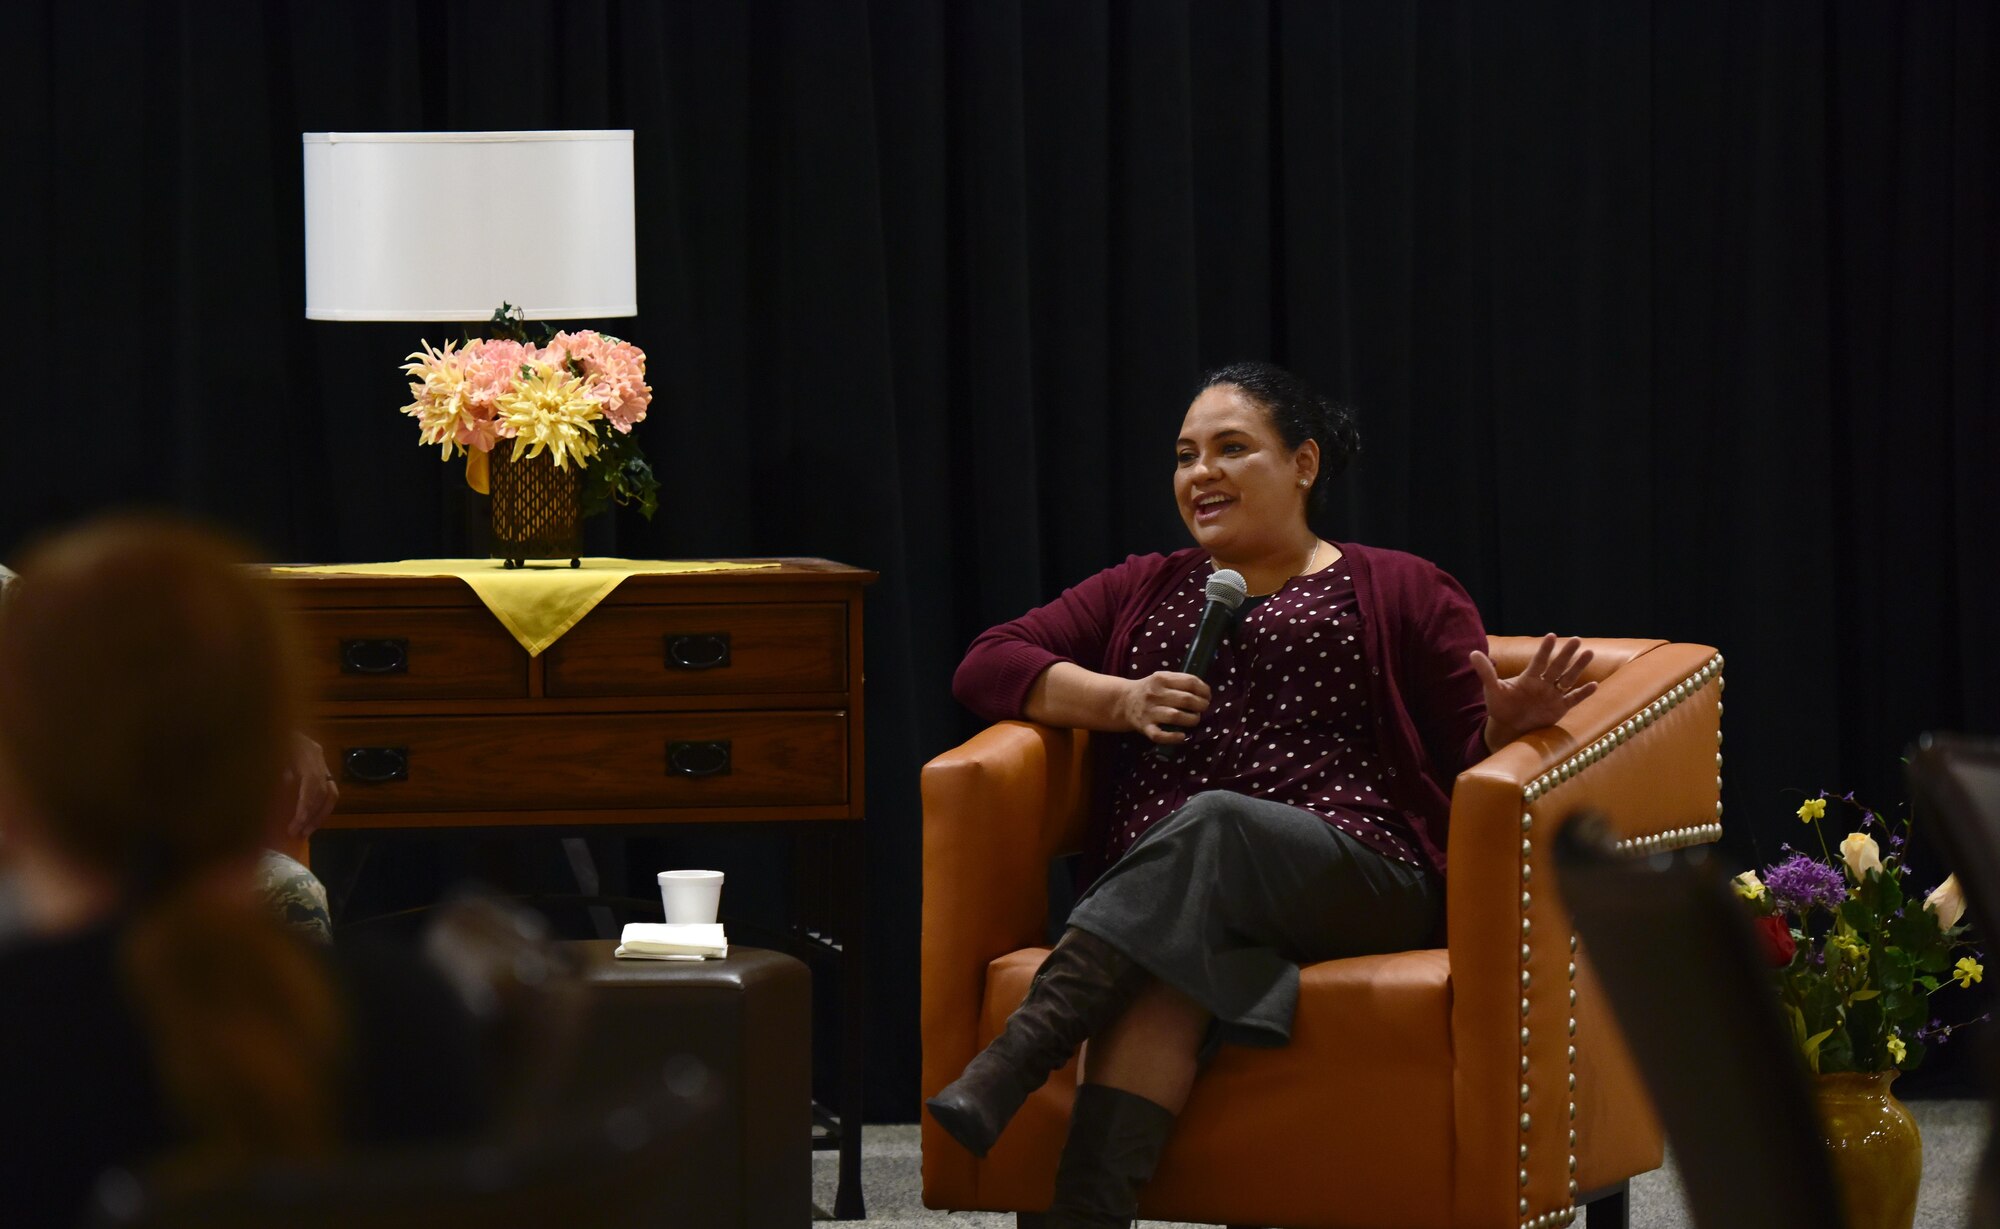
[(1420, 626)]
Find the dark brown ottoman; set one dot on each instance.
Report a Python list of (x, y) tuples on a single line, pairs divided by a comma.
[(748, 1020)]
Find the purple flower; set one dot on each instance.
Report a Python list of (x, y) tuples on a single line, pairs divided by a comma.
[(1801, 882)]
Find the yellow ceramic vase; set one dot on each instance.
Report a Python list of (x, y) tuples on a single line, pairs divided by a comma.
[(1872, 1142)]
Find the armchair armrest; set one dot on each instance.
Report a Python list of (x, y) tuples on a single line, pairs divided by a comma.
[(1548, 1104), (996, 810)]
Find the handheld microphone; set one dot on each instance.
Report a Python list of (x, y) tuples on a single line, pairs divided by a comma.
[(1226, 591)]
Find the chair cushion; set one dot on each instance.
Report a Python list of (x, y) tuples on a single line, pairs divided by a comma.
[(1372, 1037)]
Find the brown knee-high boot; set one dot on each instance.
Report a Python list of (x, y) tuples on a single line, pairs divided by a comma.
[(1083, 985), (1115, 1141)]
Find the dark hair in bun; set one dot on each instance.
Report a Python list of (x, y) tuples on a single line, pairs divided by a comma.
[(1298, 413)]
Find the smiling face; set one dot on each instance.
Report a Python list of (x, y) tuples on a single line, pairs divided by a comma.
[(1237, 483)]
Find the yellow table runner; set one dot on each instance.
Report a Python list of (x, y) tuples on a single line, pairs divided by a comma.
[(541, 600)]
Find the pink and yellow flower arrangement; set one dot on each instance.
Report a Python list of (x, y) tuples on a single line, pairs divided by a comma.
[(1856, 953), (576, 396)]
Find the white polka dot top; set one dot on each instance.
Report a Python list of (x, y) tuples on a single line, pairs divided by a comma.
[(1289, 717)]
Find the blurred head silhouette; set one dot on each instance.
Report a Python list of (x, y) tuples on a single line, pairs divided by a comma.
[(147, 696), (146, 699)]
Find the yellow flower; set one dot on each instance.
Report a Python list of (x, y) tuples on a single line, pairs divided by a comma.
[(440, 396), (1968, 971), (1748, 886), (1812, 808), (1897, 1050), (548, 409), (1846, 943)]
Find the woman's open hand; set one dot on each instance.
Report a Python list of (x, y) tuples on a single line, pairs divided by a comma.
[(1539, 695), (1164, 704)]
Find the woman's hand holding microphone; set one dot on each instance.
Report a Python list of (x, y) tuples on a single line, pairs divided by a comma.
[(1164, 705)]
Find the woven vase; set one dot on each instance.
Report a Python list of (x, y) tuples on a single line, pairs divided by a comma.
[(536, 512)]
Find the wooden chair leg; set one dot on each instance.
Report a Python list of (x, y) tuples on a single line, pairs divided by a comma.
[(1610, 1208)]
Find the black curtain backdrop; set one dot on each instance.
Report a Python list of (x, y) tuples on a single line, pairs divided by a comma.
[(1665, 319)]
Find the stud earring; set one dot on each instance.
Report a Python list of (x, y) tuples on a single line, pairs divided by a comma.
[(1304, 482)]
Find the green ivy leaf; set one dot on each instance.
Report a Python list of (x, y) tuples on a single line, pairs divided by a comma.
[(512, 323), (1821, 1004), (1916, 932), (620, 475), (1858, 916), (1889, 892), (1894, 969)]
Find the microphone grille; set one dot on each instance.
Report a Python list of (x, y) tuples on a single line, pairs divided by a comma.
[(1227, 587)]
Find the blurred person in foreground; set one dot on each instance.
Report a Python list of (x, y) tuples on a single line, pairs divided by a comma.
[(288, 885), (161, 1017)]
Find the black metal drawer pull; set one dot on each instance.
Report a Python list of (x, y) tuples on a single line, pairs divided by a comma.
[(375, 656), (376, 765), (710, 759), (701, 651)]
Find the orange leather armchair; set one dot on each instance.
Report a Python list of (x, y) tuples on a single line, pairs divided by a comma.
[(1482, 1084)]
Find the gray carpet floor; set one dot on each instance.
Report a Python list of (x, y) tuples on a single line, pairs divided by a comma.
[(1954, 1134)]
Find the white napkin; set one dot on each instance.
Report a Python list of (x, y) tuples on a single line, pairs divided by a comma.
[(668, 941)]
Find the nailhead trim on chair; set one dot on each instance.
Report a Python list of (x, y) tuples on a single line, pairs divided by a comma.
[(1656, 842), (1676, 838), (1572, 1069), (1626, 729)]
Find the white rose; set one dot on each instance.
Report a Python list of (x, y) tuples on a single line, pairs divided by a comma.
[(1860, 854), (1948, 902)]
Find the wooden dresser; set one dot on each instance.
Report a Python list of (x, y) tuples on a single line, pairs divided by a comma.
[(724, 697), (732, 696)]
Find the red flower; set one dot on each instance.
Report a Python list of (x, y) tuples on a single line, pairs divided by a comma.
[(1775, 937)]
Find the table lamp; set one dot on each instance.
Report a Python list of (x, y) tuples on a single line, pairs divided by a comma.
[(447, 225)]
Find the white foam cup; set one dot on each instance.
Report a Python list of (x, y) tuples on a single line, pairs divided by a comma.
[(691, 896)]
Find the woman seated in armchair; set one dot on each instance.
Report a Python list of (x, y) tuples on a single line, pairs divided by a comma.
[(1288, 807)]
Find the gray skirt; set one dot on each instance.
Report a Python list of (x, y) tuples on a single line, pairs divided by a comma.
[(1225, 898)]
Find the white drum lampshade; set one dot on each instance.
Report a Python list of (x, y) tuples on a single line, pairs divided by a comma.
[(448, 225)]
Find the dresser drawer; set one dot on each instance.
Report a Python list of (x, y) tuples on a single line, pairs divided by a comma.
[(701, 650), (588, 761), (410, 654)]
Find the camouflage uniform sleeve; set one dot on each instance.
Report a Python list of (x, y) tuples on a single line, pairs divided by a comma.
[(296, 895)]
